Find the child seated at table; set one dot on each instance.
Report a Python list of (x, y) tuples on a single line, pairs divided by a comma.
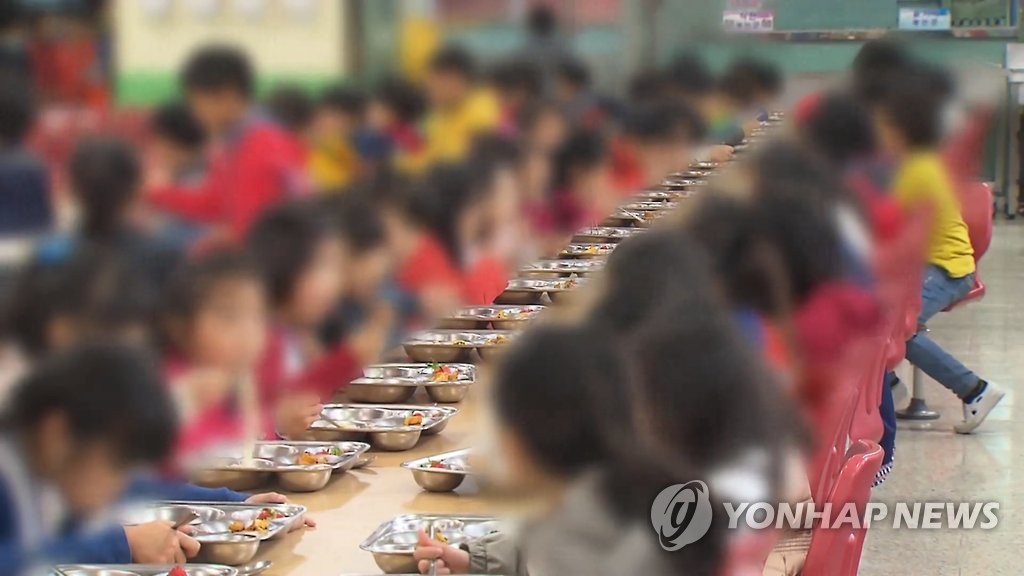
[(73, 432), (566, 433)]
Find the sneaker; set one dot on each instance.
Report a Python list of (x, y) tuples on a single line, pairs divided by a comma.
[(978, 409), (900, 393)]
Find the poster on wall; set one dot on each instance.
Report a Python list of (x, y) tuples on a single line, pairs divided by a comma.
[(748, 21), (981, 13), (924, 19)]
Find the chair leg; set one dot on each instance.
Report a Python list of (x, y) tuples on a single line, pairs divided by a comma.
[(918, 408)]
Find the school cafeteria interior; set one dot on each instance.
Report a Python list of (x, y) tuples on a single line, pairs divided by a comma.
[(514, 287)]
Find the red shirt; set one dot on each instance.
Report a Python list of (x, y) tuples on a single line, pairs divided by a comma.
[(484, 282), (627, 171), (261, 167), (428, 265), (323, 377)]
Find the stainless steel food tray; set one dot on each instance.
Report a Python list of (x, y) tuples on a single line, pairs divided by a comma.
[(396, 383), (383, 423), (453, 470), (393, 542), (606, 234), (231, 510), (500, 316), (562, 267), (142, 569), (454, 345)]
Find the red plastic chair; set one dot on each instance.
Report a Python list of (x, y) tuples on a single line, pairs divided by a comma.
[(836, 551), (832, 434), (976, 207)]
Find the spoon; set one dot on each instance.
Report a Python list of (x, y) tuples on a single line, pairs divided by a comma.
[(432, 570), (255, 568)]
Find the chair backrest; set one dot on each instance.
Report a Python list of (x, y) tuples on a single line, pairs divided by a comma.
[(831, 434), (976, 207), (836, 550)]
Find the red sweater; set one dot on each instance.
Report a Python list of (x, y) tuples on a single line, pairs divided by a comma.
[(428, 265), (323, 377), (484, 282), (260, 167)]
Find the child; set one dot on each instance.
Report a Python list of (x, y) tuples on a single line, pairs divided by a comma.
[(258, 163), (577, 450), (544, 128), (459, 109), (573, 93), (300, 255), (25, 203), (764, 82), (177, 143), (105, 177), (393, 116), (337, 124), (909, 127), (658, 139), (72, 433), (518, 84)]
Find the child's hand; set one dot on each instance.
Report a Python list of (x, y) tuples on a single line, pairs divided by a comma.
[(159, 543), (369, 340), (450, 560), (295, 413), (720, 153), (267, 498)]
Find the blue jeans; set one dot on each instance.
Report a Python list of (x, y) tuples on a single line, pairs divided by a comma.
[(938, 292)]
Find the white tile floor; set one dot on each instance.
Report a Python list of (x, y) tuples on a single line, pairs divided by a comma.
[(934, 464)]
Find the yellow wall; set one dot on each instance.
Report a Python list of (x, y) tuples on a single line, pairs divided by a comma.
[(149, 50)]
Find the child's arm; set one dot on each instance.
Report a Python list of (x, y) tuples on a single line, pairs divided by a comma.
[(155, 488), (107, 547)]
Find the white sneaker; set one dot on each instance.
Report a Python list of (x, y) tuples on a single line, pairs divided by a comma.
[(900, 393), (976, 412)]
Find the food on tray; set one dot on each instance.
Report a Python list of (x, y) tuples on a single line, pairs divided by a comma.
[(461, 342), (413, 420), (507, 315), (260, 523), (309, 459), (593, 249), (177, 571), (566, 284), (440, 537), (441, 465), (498, 339), (271, 514), (443, 373)]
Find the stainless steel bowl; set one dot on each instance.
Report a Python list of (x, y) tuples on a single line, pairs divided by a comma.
[(396, 440), (460, 323), (513, 296), (434, 481), (436, 353), (380, 392), (240, 479), (326, 433), (396, 563), (97, 572), (229, 549), (447, 393), (437, 428), (177, 515), (304, 478)]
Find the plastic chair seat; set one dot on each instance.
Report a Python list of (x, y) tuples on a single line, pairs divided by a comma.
[(976, 293)]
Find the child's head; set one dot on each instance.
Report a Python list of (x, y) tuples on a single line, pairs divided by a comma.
[(300, 256), (572, 78), (544, 127), (763, 80), (218, 82), (396, 102), (585, 415), (582, 166), (909, 115), (518, 83), (649, 87), (88, 417), (178, 137), (878, 63), (339, 112), (451, 76), (214, 311), (452, 203), (542, 21), (663, 136), (105, 177), (16, 110), (842, 130), (691, 82), (292, 108), (74, 295), (364, 237)]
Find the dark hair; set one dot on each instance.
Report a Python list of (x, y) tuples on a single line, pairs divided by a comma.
[(219, 67), (533, 112), (912, 105), (105, 176), (111, 395), (689, 75), (291, 107), (355, 217), (739, 87), (454, 60), (876, 65), (405, 99), (192, 283), (521, 75), (573, 71), (665, 122), (447, 192), (176, 123), (673, 270), (583, 149), (283, 242), (17, 112), (92, 286), (542, 20), (343, 100), (761, 76), (494, 151), (648, 87), (841, 129)]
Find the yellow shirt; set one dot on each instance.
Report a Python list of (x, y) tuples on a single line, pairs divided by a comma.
[(923, 179), (449, 133), (333, 164)]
